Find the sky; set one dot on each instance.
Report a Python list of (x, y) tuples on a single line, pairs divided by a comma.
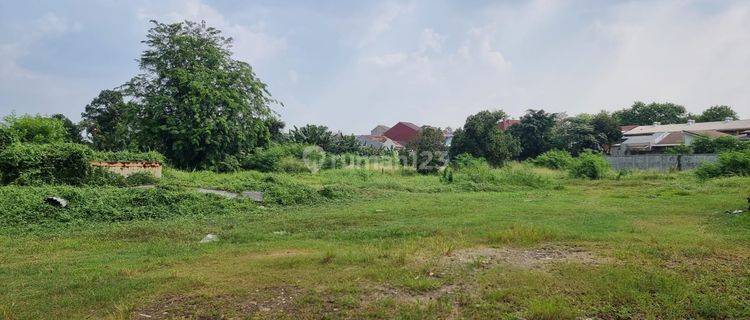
[(352, 65)]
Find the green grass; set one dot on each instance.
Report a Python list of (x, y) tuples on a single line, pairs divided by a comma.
[(381, 245)]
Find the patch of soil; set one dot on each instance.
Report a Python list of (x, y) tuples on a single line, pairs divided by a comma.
[(522, 258), (261, 303), (484, 258)]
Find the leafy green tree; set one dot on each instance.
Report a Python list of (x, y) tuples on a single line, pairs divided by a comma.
[(345, 144), (73, 129), (576, 134), (110, 122), (197, 105), (36, 128), (646, 114), (717, 113), (275, 129), (534, 132), (312, 134), (503, 147), (606, 127), (474, 137), (429, 148)]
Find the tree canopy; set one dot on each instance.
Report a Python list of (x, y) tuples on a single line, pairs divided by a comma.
[(197, 105), (717, 113), (109, 121), (534, 132), (481, 137), (646, 114), (429, 148)]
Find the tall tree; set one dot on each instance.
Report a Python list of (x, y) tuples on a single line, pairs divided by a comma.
[(198, 106), (109, 121), (429, 148), (607, 128), (474, 137), (312, 134), (646, 114), (717, 113), (577, 134), (73, 129), (534, 132)]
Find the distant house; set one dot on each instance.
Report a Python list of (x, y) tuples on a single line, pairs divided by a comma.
[(379, 130), (657, 137), (377, 142), (402, 132), (660, 141), (507, 123)]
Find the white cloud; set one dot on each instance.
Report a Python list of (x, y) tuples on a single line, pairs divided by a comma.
[(385, 15), (252, 43)]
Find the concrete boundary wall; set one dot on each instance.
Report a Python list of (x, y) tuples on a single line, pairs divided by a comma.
[(660, 162), (128, 168)]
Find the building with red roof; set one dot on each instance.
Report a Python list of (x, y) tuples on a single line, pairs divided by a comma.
[(402, 132)]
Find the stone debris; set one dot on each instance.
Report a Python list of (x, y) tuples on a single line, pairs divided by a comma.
[(256, 196), (735, 212), (221, 193), (209, 238), (56, 201)]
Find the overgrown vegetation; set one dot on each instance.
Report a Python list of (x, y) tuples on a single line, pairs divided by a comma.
[(731, 163), (590, 165)]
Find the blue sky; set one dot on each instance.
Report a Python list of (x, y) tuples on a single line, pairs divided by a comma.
[(354, 64)]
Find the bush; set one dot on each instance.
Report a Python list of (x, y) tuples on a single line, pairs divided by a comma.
[(733, 163), (267, 160), (589, 165), (127, 156), (37, 128), (553, 159), (291, 165), (6, 138), (721, 144), (66, 163), (466, 160)]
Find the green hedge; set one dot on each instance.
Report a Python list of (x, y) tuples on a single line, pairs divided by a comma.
[(589, 165), (127, 156), (733, 163), (24, 163)]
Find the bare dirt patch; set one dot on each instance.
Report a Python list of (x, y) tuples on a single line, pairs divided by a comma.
[(267, 302), (522, 258), (484, 258)]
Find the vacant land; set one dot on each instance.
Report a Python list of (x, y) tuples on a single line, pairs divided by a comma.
[(378, 244)]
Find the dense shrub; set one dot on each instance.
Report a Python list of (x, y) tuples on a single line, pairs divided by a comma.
[(466, 160), (733, 163), (66, 163), (6, 138), (37, 128), (267, 160), (127, 156), (589, 165), (553, 159), (22, 207), (721, 144), (291, 165)]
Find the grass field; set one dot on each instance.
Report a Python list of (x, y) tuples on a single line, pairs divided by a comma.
[(526, 243)]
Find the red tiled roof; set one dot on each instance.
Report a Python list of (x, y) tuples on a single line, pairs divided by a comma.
[(672, 138), (624, 129), (402, 132)]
